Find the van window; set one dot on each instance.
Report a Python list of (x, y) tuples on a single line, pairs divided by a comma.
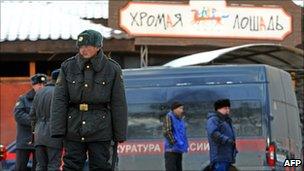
[(146, 106), (246, 116), (145, 120)]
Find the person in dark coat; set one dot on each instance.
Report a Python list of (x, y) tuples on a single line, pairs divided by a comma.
[(176, 142), (24, 146), (48, 150), (89, 105), (221, 136)]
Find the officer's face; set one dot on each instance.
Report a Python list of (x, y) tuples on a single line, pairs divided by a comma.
[(88, 51), (224, 110), (38, 86), (179, 111)]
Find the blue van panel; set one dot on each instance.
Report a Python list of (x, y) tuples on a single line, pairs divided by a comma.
[(139, 95), (191, 76), (215, 92)]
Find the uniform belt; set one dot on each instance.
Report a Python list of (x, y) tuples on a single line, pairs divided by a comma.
[(87, 107)]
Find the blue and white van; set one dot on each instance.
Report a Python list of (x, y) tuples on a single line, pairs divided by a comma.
[(264, 113)]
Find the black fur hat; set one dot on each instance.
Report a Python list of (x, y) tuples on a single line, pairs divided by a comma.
[(221, 103)]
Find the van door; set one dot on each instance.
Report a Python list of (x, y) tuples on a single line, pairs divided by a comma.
[(293, 118), (278, 116), (279, 131)]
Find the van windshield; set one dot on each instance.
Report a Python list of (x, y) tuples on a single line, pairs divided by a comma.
[(145, 120)]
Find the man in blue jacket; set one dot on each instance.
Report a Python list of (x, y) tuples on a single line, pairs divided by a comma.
[(176, 142), (221, 136)]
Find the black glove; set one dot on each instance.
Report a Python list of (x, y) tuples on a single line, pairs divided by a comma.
[(231, 141)]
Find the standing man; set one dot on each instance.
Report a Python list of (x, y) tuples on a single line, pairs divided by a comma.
[(24, 146), (221, 136), (89, 105), (48, 150), (176, 142)]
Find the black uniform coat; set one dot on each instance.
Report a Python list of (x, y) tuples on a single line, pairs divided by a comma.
[(40, 117), (98, 82), (23, 121)]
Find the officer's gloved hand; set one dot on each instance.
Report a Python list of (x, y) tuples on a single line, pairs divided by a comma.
[(231, 141)]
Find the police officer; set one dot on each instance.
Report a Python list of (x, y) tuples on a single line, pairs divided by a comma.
[(24, 145), (89, 105), (48, 150)]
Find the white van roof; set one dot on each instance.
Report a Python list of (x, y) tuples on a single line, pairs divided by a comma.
[(263, 53)]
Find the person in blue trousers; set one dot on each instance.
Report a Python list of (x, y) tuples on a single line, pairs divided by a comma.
[(176, 142), (221, 136)]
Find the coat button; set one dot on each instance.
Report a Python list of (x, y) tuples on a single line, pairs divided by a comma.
[(103, 116), (103, 83), (82, 138), (70, 117), (73, 82), (88, 66), (83, 122), (86, 85)]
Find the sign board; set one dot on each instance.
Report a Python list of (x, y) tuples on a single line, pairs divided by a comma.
[(205, 19)]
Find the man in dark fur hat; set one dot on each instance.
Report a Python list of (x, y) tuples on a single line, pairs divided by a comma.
[(221, 136)]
